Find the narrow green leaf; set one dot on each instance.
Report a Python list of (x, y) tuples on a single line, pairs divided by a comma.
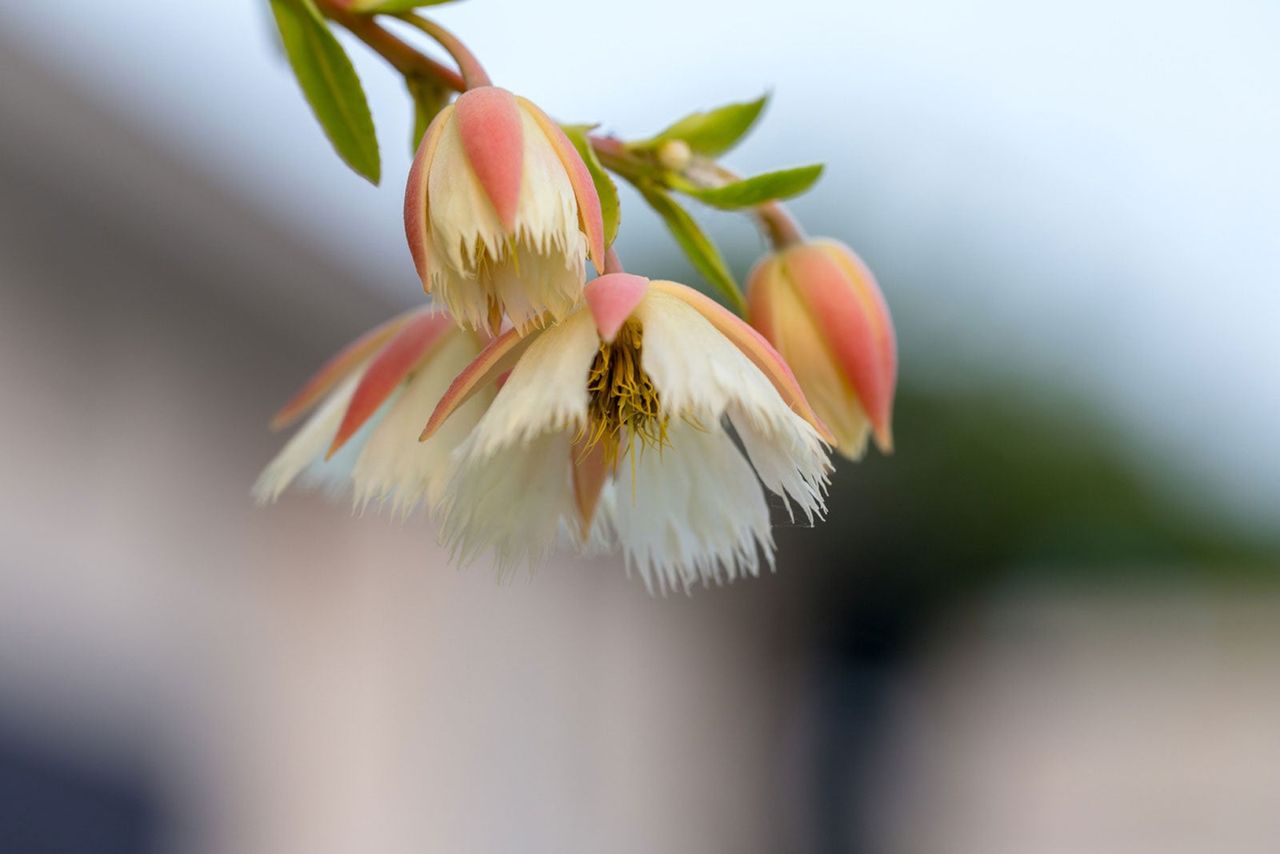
[(429, 98), (392, 7), (610, 208), (330, 84), (714, 132), (702, 253), (757, 189)]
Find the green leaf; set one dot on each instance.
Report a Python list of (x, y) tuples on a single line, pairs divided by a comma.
[(702, 253), (714, 132), (392, 7), (429, 98), (757, 189), (610, 208), (330, 84)]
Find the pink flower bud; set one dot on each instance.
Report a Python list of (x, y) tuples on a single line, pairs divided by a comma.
[(819, 305), (501, 213)]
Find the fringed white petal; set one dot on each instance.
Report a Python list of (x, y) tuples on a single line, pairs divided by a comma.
[(393, 466), (308, 445), (697, 371), (791, 460), (701, 376), (461, 214), (547, 211), (466, 299), (530, 282), (539, 269), (601, 539), (514, 502), (546, 391), (691, 511), (333, 476)]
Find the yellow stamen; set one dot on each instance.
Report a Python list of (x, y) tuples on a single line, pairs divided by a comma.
[(623, 402)]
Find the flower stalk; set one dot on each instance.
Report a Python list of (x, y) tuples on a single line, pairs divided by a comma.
[(473, 73)]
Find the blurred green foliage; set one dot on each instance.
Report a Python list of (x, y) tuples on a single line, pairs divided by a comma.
[(1002, 487)]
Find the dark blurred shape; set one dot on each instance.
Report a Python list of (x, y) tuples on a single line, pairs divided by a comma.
[(49, 805), (985, 491)]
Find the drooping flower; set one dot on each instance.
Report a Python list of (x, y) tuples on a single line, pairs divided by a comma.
[(501, 213), (618, 420), (373, 399), (820, 306)]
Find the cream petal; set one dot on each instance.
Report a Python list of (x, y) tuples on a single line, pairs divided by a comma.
[(696, 370), (789, 458), (700, 375), (526, 283), (466, 300), (529, 282), (393, 465), (459, 209), (547, 213), (691, 511), (602, 539), (590, 217), (333, 475), (308, 445), (516, 502), (546, 391)]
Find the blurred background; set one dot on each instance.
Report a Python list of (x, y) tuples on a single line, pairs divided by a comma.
[(1049, 623)]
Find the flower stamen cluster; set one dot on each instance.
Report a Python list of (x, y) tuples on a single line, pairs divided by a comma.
[(624, 405)]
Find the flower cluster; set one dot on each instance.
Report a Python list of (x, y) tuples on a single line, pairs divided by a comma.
[(530, 406)]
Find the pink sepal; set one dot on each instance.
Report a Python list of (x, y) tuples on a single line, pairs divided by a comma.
[(417, 220), (590, 473), (611, 298), (338, 368), (497, 358), (493, 140), (388, 369)]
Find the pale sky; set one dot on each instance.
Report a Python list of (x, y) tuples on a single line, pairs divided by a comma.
[(1101, 185)]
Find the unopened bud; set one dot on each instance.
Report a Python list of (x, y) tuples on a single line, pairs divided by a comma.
[(819, 305), (486, 202)]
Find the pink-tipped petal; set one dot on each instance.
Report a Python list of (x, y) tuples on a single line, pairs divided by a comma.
[(590, 217), (859, 331), (754, 346), (338, 368), (417, 222), (388, 369), (497, 358), (611, 298), (493, 139), (590, 472)]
